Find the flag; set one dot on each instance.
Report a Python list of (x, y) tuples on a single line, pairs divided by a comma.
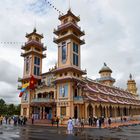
[(24, 87), (32, 83), (20, 94)]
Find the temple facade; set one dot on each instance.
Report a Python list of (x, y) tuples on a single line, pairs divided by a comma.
[(65, 90)]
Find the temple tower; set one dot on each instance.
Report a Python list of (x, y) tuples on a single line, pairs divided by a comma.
[(33, 55), (105, 76), (131, 85), (68, 72)]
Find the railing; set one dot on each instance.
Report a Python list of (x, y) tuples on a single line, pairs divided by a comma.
[(56, 39), (34, 42), (68, 24), (33, 50), (42, 100), (78, 99)]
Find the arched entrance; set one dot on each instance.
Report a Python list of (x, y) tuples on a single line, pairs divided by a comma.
[(90, 110), (118, 111), (110, 111), (75, 112), (125, 111)]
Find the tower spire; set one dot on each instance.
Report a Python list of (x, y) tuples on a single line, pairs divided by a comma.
[(69, 5), (130, 76)]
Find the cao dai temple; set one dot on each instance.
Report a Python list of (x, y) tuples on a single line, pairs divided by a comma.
[(65, 91)]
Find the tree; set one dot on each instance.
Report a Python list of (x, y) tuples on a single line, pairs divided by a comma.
[(10, 109), (3, 107)]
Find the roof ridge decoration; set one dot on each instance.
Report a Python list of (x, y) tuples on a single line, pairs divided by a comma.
[(130, 76)]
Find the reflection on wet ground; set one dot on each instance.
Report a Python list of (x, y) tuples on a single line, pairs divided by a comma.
[(10, 132)]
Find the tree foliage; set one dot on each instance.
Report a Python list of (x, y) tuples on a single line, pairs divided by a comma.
[(9, 109)]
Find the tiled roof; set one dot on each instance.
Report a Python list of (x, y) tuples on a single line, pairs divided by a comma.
[(112, 94)]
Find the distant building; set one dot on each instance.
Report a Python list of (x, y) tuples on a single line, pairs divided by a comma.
[(64, 91)]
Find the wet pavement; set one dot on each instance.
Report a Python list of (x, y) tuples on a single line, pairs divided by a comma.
[(32, 132)]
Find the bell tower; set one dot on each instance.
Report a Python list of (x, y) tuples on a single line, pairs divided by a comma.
[(131, 85), (68, 72), (69, 41), (33, 55)]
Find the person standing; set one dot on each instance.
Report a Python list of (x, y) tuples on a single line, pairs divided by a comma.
[(52, 120), (70, 126), (109, 122), (97, 123), (9, 120), (82, 122), (89, 120), (32, 118), (1, 119), (57, 122)]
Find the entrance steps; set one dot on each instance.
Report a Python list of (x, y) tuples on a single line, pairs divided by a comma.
[(40, 121)]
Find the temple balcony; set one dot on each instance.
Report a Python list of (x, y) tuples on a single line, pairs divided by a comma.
[(67, 25), (42, 100), (78, 100), (69, 36), (33, 51), (34, 42)]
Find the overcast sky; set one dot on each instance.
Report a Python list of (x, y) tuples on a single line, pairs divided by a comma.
[(112, 36)]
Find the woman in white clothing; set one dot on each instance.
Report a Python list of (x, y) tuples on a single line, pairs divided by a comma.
[(97, 123), (70, 126)]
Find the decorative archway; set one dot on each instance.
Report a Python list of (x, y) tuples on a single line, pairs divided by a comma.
[(90, 110), (118, 111), (110, 111), (125, 111)]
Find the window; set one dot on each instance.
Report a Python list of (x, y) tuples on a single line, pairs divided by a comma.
[(75, 59), (63, 111), (75, 48), (75, 54), (27, 64), (49, 81), (36, 66), (64, 52), (37, 39), (36, 70), (63, 90), (65, 20), (37, 60)]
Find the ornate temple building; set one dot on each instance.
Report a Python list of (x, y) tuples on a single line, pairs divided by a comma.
[(65, 91)]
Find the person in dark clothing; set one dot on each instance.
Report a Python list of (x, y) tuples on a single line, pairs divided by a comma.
[(52, 121), (100, 122), (32, 118), (6, 119), (57, 122), (24, 120), (109, 122)]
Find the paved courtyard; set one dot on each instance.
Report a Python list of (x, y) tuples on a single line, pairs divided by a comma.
[(30, 132)]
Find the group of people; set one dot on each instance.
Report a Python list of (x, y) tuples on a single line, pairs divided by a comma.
[(17, 120), (53, 120), (6, 119), (20, 120), (75, 124), (99, 122)]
